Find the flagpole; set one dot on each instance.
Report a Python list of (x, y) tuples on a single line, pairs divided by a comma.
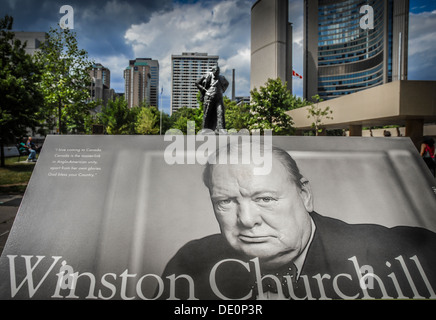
[(161, 107)]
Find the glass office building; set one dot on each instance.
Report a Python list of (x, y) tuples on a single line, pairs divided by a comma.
[(141, 82), (351, 45)]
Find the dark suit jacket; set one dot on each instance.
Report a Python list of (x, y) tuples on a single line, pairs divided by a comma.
[(205, 82), (401, 263)]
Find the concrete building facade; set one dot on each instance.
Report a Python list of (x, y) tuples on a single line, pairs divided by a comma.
[(101, 85), (33, 40), (186, 69), (352, 45), (411, 104), (154, 81), (271, 43)]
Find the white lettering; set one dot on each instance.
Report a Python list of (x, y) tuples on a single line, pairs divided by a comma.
[(29, 273), (259, 279), (409, 277), (319, 279), (336, 287), (306, 285), (108, 285), (124, 277), (159, 282), (367, 21), (76, 276), (424, 277), (175, 152), (358, 269), (395, 282), (173, 279), (67, 21), (213, 283)]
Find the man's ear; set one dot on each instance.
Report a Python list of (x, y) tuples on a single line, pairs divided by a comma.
[(306, 194)]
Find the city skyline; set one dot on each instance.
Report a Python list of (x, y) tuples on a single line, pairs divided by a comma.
[(114, 32)]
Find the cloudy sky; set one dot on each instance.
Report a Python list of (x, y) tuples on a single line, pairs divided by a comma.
[(114, 31)]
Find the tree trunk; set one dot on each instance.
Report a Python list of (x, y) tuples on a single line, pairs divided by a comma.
[(2, 154)]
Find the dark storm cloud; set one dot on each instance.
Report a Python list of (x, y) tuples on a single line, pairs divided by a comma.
[(100, 25)]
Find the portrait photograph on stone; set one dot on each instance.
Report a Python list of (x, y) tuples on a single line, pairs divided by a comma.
[(219, 158), (131, 217)]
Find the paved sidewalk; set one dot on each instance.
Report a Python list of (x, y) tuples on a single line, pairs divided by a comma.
[(9, 205)]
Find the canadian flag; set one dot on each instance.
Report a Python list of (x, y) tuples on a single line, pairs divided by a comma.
[(294, 74)]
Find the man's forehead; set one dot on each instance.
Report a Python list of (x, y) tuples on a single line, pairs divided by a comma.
[(219, 171)]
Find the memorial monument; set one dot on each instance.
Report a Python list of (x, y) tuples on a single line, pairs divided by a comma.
[(103, 216), (212, 86)]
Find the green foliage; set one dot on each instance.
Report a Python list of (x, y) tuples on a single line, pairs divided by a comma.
[(318, 115), (118, 118), (237, 117), (147, 121), (166, 122), (180, 118), (269, 105), (18, 77), (19, 94), (66, 82)]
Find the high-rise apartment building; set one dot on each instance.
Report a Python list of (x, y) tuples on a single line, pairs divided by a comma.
[(187, 68), (102, 73), (154, 82), (101, 84), (141, 82), (351, 45)]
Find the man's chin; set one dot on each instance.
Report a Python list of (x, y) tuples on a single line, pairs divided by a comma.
[(269, 256), (261, 251)]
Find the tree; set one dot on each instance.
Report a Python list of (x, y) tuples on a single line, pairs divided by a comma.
[(237, 116), (65, 82), (166, 122), (180, 118), (20, 98), (147, 121), (269, 105), (118, 118), (318, 115)]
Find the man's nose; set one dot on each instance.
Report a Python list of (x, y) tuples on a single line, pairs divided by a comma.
[(248, 216)]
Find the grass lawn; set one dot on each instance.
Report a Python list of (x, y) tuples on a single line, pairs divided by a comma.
[(15, 176)]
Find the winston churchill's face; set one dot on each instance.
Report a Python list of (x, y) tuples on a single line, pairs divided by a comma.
[(216, 71), (264, 216)]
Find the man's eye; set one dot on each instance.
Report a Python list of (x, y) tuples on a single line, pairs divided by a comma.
[(265, 199), (223, 203)]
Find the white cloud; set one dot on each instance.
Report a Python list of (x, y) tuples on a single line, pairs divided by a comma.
[(422, 54), (116, 64), (218, 28)]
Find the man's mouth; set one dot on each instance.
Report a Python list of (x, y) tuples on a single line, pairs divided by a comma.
[(253, 239)]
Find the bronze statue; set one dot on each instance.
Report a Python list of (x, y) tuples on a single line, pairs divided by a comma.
[(212, 86)]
